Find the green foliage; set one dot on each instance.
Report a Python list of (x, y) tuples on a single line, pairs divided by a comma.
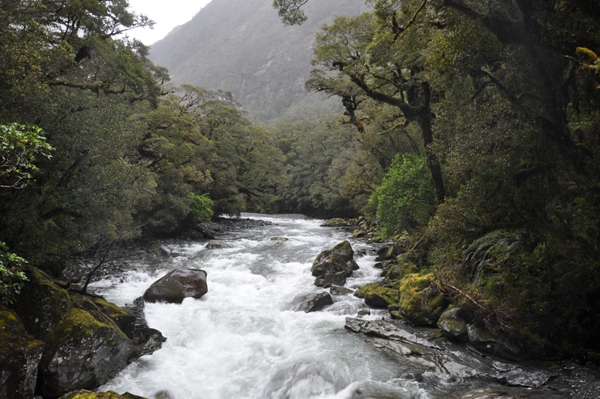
[(202, 207), (12, 275), (20, 145), (404, 200)]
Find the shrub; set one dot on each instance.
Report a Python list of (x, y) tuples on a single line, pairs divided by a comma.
[(12, 277), (202, 207)]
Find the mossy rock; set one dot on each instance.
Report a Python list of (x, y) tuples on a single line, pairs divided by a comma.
[(333, 266), (106, 312), (336, 222), (453, 325), (20, 355), (42, 304), (377, 296), (421, 303), (83, 353), (399, 269), (83, 394)]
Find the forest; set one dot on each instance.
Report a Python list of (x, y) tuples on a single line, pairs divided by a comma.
[(469, 129)]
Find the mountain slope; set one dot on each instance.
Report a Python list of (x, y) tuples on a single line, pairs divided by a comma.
[(241, 46)]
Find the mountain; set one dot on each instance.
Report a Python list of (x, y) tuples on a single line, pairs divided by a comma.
[(241, 46)]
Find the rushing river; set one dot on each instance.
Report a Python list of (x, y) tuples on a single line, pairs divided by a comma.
[(243, 339)]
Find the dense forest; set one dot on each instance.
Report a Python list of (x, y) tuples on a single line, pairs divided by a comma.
[(469, 132)]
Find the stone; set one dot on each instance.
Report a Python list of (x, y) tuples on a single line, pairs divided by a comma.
[(335, 222), (178, 285), (485, 341), (377, 296), (513, 393), (453, 325), (333, 266), (84, 394), (421, 303), (20, 355), (316, 303), (337, 290), (279, 239), (218, 245), (83, 353)]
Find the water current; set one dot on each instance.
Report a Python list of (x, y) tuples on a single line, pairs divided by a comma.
[(243, 339)]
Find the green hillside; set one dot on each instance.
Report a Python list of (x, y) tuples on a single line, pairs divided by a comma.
[(241, 46)]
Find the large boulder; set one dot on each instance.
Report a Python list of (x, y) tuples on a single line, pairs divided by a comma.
[(377, 296), (84, 394), (453, 325), (421, 302), (20, 355), (83, 352), (178, 285), (333, 266), (315, 303)]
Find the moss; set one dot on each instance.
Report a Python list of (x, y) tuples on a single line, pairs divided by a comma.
[(336, 222), (377, 296), (420, 302), (83, 394)]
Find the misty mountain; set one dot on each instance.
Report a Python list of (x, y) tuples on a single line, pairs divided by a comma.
[(241, 46)]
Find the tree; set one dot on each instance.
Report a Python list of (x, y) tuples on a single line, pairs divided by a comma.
[(380, 56)]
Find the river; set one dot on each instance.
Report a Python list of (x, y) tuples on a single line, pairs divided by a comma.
[(243, 339)]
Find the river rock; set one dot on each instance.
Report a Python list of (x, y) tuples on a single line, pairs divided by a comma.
[(337, 290), (218, 245), (316, 303), (377, 296), (20, 355), (177, 285), (83, 352), (335, 222), (333, 266), (83, 394), (421, 303), (487, 342), (513, 393), (453, 325)]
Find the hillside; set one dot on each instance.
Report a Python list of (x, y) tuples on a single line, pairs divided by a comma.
[(242, 47)]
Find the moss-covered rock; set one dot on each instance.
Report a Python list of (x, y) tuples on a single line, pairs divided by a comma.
[(20, 355), (453, 325), (377, 296), (400, 268), (333, 266), (83, 394), (42, 304), (178, 285), (83, 352), (336, 222), (421, 303)]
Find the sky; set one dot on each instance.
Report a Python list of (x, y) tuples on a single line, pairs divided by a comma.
[(166, 13)]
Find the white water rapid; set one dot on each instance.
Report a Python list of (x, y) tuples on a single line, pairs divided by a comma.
[(244, 340)]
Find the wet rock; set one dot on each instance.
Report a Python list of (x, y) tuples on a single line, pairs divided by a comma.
[(163, 251), (222, 225), (453, 325), (487, 342), (316, 303), (83, 352), (337, 290), (421, 303), (389, 252), (391, 331), (218, 245), (377, 296), (335, 222), (279, 239), (41, 304), (83, 394), (20, 355), (513, 393), (333, 266), (364, 312), (178, 285), (359, 233)]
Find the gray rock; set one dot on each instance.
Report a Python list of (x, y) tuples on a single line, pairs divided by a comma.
[(333, 266), (218, 245), (83, 353), (487, 342), (178, 285), (337, 290), (279, 239), (20, 355), (316, 303), (453, 325), (513, 393)]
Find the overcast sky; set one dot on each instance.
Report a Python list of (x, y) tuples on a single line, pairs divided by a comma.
[(166, 13)]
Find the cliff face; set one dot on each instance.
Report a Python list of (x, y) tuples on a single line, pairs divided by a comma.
[(242, 47)]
